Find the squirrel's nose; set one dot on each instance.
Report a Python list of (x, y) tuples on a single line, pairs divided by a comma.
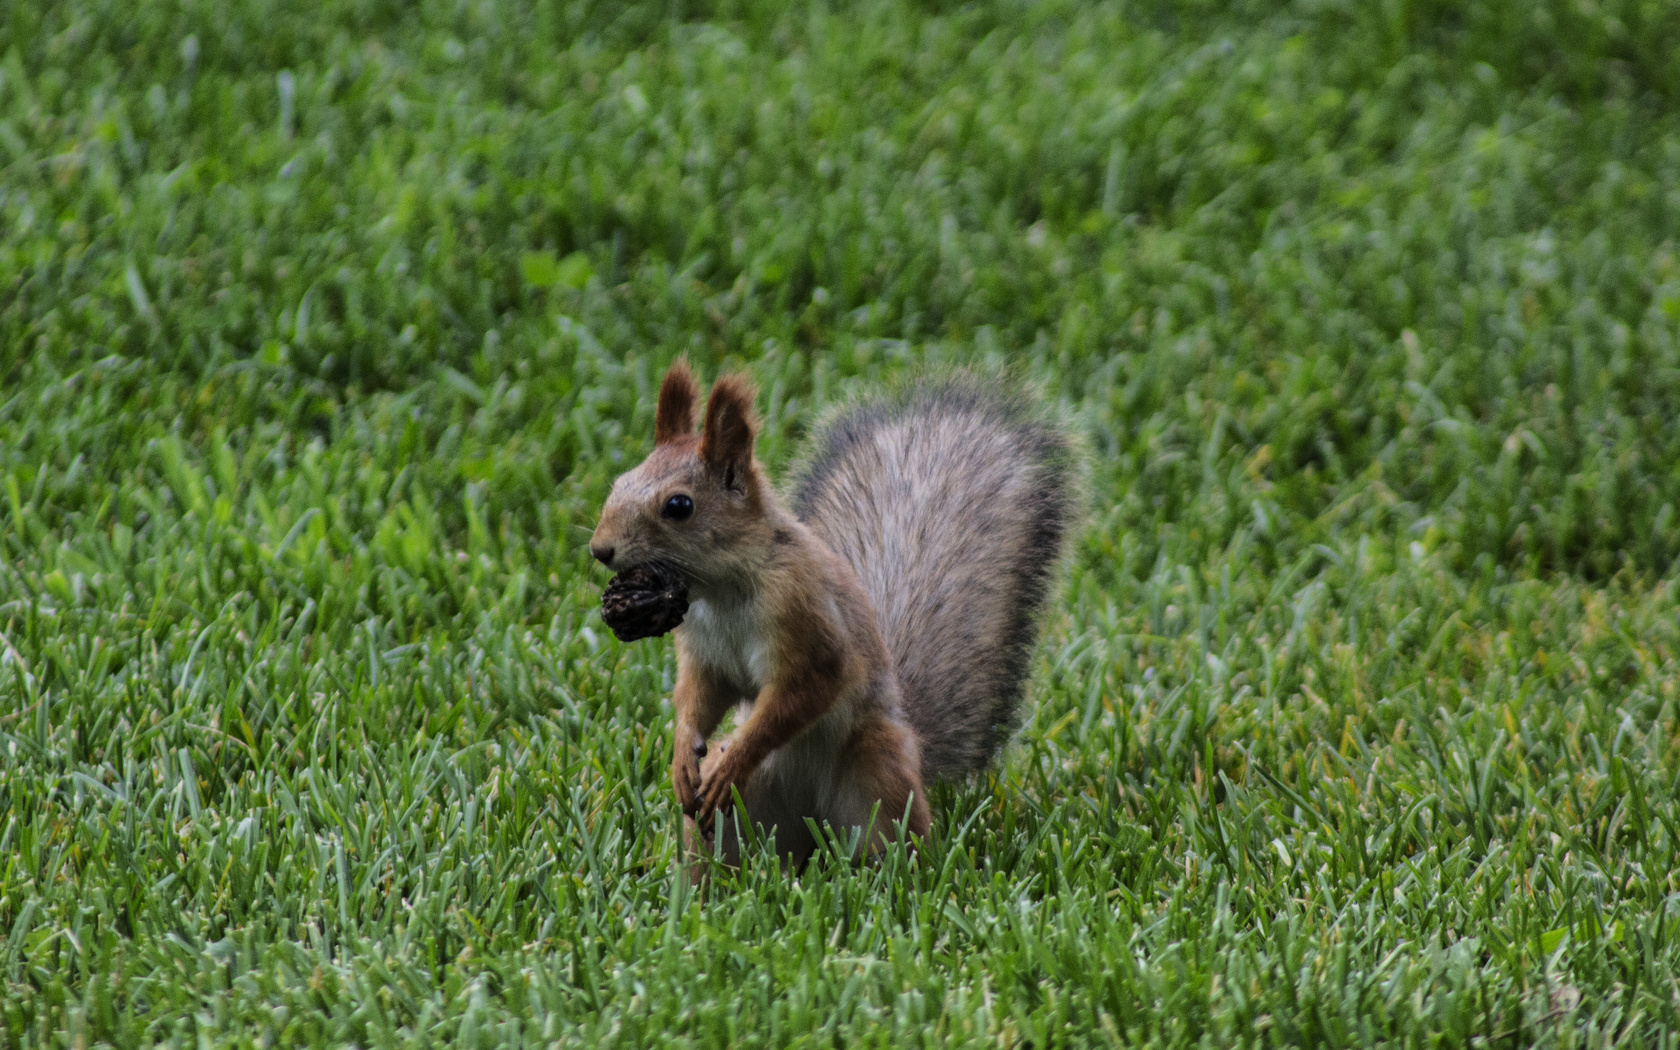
[(604, 555)]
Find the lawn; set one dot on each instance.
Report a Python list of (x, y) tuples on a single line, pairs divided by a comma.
[(324, 331)]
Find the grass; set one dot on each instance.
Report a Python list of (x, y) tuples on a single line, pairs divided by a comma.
[(322, 335)]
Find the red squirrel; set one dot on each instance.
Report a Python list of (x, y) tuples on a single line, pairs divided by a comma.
[(874, 629)]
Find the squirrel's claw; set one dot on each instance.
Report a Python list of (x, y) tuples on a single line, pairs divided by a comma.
[(685, 780), (716, 792)]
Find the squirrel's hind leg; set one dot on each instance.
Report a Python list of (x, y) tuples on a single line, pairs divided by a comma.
[(879, 786)]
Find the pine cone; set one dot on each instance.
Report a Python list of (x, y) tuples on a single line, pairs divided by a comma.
[(644, 602)]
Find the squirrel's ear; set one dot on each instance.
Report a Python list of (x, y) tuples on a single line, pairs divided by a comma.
[(726, 443), (675, 416)]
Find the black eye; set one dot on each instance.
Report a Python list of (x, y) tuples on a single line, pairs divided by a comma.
[(678, 508)]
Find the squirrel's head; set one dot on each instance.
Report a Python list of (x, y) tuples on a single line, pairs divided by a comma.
[(698, 502)]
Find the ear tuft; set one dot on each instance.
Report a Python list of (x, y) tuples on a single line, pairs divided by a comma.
[(675, 416), (730, 425)]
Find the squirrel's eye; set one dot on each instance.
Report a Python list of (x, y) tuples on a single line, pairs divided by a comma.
[(678, 508)]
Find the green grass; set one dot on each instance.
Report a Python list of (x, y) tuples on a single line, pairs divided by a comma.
[(322, 335)]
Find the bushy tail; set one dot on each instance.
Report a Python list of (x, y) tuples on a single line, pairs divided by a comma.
[(952, 502)]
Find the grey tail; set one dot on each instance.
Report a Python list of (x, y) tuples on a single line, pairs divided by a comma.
[(952, 501)]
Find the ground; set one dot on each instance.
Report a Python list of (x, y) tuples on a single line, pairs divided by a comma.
[(324, 329)]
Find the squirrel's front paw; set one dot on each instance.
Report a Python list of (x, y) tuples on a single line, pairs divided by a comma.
[(717, 791), (685, 780), (685, 773)]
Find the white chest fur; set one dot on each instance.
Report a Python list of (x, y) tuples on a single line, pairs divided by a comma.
[(729, 637)]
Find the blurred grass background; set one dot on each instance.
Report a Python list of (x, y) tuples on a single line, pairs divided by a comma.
[(323, 333)]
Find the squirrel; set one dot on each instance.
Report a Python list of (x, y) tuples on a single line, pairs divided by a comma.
[(875, 628)]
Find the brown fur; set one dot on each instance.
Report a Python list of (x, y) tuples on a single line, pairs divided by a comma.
[(886, 755), (781, 624), (726, 445), (674, 417)]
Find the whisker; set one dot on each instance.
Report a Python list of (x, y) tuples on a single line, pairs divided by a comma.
[(678, 563)]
